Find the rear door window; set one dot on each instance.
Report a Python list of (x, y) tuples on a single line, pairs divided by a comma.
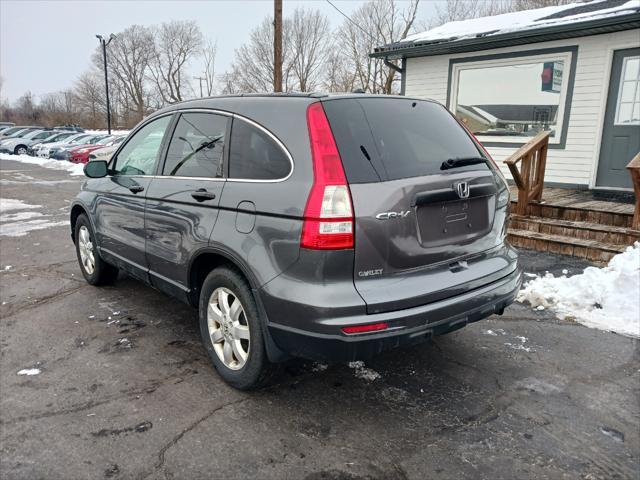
[(197, 146), (254, 155), (392, 138)]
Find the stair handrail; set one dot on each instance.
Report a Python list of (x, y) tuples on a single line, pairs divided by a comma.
[(634, 170), (530, 178)]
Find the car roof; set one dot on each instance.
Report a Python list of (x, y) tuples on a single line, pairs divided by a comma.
[(229, 101)]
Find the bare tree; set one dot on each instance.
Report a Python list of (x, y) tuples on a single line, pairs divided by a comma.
[(340, 76), (128, 59), (310, 47), (252, 68), (209, 56), (90, 98), (175, 43), (375, 23)]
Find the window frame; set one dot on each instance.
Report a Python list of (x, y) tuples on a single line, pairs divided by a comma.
[(161, 152), (568, 54), (171, 130)]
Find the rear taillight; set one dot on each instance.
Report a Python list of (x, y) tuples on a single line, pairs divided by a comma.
[(328, 216)]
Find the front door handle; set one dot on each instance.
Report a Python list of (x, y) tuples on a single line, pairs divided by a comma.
[(202, 195), (136, 188)]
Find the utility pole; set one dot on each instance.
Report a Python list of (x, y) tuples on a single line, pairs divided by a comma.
[(104, 44), (277, 46), (200, 78)]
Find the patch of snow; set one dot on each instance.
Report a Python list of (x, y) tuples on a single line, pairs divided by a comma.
[(518, 21), (565, 271), (29, 371), (7, 268), (19, 216), (604, 298), (10, 204), (319, 367), (490, 332), (74, 169), (22, 228), (519, 346), (363, 372), (530, 275)]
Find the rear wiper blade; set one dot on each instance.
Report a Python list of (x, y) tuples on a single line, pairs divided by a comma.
[(461, 162)]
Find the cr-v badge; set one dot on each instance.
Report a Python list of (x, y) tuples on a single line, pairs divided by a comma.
[(389, 215)]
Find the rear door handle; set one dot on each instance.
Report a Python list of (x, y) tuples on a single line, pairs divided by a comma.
[(202, 195), (136, 188)]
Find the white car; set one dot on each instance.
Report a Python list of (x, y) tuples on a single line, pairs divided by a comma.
[(76, 139)]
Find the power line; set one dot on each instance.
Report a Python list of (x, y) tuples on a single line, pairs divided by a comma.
[(352, 22)]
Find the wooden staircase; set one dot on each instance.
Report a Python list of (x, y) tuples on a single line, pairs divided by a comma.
[(592, 233), (566, 221)]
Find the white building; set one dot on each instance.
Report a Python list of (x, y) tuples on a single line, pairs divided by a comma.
[(572, 69)]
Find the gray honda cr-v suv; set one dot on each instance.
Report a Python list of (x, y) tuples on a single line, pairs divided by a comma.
[(328, 227)]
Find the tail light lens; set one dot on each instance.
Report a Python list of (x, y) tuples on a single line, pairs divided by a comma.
[(328, 216)]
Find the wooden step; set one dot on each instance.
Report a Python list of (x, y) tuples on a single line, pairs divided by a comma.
[(598, 214), (598, 252), (607, 234)]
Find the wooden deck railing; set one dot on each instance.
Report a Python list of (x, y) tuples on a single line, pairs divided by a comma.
[(529, 178), (634, 170)]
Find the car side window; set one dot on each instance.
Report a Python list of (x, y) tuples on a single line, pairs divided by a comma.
[(139, 155), (197, 146), (255, 155)]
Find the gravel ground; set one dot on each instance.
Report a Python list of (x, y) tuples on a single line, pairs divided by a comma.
[(125, 389)]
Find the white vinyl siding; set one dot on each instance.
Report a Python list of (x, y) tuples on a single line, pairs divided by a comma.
[(428, 77)]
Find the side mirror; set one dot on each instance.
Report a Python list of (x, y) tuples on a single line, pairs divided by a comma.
[(96, 169)]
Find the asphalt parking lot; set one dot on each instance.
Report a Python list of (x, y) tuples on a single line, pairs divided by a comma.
[(126, 390)]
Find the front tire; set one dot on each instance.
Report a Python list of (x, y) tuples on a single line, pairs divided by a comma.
[(94, 269), (231, 330), (20, 150)]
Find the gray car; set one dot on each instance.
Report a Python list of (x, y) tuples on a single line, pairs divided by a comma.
[(20, 145), (327, 227)]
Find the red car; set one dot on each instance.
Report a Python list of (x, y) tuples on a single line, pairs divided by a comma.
[(81, 153)]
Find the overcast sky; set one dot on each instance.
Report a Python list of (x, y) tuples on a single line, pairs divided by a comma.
[(46, 45)]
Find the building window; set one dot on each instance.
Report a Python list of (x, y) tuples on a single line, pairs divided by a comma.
[(628, 107), (510, 100)]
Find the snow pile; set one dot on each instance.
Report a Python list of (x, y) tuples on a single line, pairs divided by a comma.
[(516, 21), (29, 371), (72, 168), (363, 372), (605, 298)]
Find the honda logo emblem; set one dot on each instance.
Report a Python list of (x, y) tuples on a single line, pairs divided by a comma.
[(462, 189)]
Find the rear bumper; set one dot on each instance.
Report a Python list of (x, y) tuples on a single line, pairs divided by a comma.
[(406, 327)]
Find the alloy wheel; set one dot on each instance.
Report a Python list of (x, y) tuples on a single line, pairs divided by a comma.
[(85, 246), (228, 328)]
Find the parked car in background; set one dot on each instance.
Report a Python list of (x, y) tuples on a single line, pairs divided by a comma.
[(74, 139), (70, 128), (81, 154), (104, 153), (63, 152), (6, 125), (328, 227), (16, 131), (56, 137), (19, 145)]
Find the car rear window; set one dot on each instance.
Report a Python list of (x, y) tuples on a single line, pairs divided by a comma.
[(393, 138)]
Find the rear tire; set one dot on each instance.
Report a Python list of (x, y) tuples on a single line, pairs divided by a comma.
[(232, 330), (20, 150), (94, 269)]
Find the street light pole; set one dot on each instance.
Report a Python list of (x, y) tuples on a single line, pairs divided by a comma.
[(277, 46), (104, 44)]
